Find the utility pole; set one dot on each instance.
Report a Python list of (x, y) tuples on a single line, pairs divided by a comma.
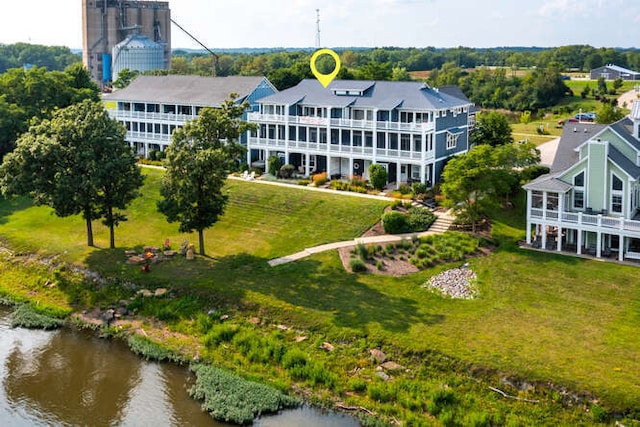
[(317, 28)]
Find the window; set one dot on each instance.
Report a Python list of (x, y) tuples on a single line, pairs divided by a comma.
[(405, 142), (313, 134), (381, 140), (368, 139), (578, 191), (417, 143), (335, 136), (292, 133), (393, 141), (323, 135), (357, 138), (346, 137), (616, 194), (452, 140), (302, 134), (616, 203)]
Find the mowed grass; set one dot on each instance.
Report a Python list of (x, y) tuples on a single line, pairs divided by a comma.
[(540, 317)]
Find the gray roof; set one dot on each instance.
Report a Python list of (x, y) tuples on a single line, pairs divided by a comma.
[(190, 90), (621, 160), (618, 69), (573, 136), (383, 95), (548, 182), (624, 128)]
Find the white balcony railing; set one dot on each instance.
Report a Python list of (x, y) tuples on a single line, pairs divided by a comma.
[(588, 221), (346, 123), (150, 137), (255, 142), (151, 117)]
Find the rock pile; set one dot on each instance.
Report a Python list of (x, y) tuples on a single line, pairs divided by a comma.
[(456, 283)]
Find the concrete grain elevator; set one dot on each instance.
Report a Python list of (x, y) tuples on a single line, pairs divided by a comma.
[(118, 34)]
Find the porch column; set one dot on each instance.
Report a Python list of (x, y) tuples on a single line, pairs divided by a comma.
[(598, 244), (423, 173), (350, 167), (620, 248), (328, 166), (398, 174), (544, 205), (529, 195), (307, 166), (579, 242), (266, 163), (559, 248), (249, 159), (544, 236)]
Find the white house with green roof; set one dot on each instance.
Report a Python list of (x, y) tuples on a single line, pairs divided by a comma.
[(589, 203)]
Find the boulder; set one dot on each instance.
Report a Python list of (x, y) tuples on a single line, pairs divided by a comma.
[(135, 260), (392, 366), (378, 355), (160, 292), (328, 346), (146, 293), (382, 375), (170, 254)]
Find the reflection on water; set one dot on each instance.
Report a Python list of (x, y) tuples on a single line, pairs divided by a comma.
[(73, 378)]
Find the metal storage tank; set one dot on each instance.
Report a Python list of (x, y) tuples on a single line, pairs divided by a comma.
[(137, 52)]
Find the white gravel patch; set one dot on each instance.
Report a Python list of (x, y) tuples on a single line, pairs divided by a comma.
[(458, 283)]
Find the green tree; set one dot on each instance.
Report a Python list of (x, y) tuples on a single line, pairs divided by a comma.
[(125, 77), (608, 114), (78, 163), (198, 161), (400, 74), (474, 181), (602, 86), (492, 128), (617, 84), (378, 176)]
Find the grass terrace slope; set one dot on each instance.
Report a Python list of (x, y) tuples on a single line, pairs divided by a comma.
[(539, 317)]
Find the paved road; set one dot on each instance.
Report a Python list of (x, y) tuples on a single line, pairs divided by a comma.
[(626, 99)]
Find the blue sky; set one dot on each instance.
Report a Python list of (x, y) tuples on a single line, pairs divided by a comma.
[(367, 23)]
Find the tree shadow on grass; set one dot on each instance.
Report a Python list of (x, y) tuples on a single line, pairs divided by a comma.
[(10, 206), (331, 294)]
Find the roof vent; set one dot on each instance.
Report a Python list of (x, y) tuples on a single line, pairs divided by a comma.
[(585, 130), (575, 129)]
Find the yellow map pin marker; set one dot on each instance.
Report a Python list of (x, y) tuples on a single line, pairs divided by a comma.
[(325, 79)]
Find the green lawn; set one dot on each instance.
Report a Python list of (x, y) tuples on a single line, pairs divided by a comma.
[(540, 317)]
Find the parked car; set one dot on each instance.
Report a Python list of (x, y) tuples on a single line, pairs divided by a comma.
[(585, 117)]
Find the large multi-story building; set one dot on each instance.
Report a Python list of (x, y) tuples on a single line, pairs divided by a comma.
[(152, 107), (408, 127), (109, 24), (589, 203)]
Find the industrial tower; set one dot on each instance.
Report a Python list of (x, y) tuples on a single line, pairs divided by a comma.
[(106, 23)]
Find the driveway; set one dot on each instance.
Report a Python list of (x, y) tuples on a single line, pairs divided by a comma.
[(548, 152)]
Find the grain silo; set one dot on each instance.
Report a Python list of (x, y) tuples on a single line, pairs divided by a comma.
[(137, 52), (106, 23)]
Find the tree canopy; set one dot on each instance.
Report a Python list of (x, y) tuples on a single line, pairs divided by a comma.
[(474, 181), (77, 162), (491, 128), (36, 93), (198, 161)]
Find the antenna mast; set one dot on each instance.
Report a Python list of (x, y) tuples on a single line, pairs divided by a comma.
[(318, 28)]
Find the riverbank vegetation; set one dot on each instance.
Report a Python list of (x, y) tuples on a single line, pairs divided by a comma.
[(556, 334)]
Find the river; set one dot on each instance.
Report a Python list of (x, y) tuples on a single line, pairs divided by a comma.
[(70, 378)]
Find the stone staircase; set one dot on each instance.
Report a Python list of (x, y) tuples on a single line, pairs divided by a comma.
[(442, 223)]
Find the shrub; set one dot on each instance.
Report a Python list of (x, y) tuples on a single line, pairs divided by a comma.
[(230, 398), (357, 265), (319, 179), (273, 165), (143, 346), (26, 317), (358, 181), (362, 251), (404, 189), (286, 171), (394, 222), (418, 188), (380, 265), (152, 155), (304, 182), (396, 204), (420, 219), (378, 176)]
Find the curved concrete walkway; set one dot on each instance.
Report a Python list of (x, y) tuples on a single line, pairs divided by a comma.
[(441, 224)]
